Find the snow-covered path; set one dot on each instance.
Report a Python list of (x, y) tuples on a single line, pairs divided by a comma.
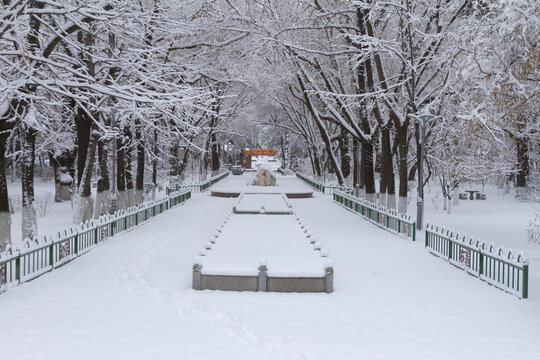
[(131, 298)]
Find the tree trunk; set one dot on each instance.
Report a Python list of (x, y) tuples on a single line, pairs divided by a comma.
[(391, 187), (317, 163), (5, 216), (84, 203), (129, 177), (122, 201), (102, 203), (369, 174), (28, 211), (139, 181), (215, 156), (344, 153), (154, 166), (386, 164), (356, 164), (403, 152), (522, 162)]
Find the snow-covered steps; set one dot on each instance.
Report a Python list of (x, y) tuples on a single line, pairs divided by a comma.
[(263, 253), (270, 204)]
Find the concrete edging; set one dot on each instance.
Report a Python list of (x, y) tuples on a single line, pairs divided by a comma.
[(262, 282)]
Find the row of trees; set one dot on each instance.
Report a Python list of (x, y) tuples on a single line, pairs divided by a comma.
[(80, 80), (337, 83), (360, 74)]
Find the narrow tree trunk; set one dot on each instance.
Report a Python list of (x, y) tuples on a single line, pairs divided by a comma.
[(386, 162), (5, 216), (129, 178), (317, 163), (84, 203), (356, 164), (391, 187), (403, 152), (369, 174), (102, 203), (122, 201), (215, 156), (139, 181), (154, 166), (344, 153), (522, 162), (28, 211)]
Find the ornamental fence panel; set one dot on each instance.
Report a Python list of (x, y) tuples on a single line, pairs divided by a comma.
[(388, 219), (496, 266)]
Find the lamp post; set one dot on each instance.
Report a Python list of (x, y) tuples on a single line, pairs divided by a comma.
[(422, 120)]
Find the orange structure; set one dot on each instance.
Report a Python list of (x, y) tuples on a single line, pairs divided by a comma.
[(256, 152), (260, 152)]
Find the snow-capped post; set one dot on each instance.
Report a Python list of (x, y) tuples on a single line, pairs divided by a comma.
[(197, 277), (329, 279), (263, 276)]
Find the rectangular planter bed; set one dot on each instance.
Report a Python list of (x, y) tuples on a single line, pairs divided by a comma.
[(263, 253)]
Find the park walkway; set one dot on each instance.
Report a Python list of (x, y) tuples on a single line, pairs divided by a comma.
[(131, 298)]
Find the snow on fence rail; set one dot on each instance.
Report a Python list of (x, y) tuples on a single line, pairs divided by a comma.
[(38, 257), (317, 185), (388, 219), (202, 187), (495, 266), (324, 188)]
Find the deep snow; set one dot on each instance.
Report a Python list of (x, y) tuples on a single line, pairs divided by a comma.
[(131, 298)]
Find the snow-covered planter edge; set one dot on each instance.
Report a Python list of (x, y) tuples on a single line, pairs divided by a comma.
[(388, 219), (260, 281), (502, 268), (30, 259)]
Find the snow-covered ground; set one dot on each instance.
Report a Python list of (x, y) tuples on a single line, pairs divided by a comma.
[(268, 202), (131, 298), (284, 184), (248, 241), (57, 216)]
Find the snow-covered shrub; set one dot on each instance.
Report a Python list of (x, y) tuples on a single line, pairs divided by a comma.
[(533, 229)]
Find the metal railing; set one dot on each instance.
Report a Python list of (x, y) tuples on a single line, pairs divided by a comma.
[(387, 219), (202, 187), (495, 266), (317, 185), (39, 257)]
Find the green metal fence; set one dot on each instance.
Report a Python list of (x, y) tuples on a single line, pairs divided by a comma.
[(39, 257), (202, 187), (387, 219), (317, 185), (500, 268)]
